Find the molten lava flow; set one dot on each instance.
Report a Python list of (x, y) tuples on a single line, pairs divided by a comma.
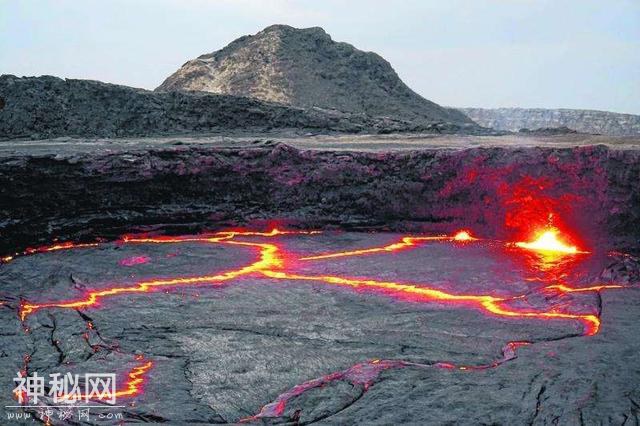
[(272, 263), (463, 236), (46, 249), (132, 387), (552, 254), (404, 243), (92, 298), (268, 259), (419, 293), (212, 238), (566, 289), (548, 242), (590, 322)]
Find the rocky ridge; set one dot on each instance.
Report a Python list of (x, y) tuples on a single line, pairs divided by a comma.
[(306, 68), (585, 121), (49, 107)]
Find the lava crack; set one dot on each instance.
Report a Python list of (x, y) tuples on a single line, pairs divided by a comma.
[(273, 262)]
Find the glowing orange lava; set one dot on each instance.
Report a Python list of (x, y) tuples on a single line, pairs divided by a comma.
[(548, 242), (419, 293), (46, 249), (566, 289), (272, 263), (404, 243), (268, 258), (132, 387), (463, 236)]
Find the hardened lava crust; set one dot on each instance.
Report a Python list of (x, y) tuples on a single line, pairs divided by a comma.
[(332, 327)]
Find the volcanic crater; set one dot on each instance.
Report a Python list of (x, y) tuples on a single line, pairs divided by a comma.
[(452, 284)]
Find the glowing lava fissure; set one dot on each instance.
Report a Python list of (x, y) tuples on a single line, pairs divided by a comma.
[(133, 386), (404, 243), (271, 264), (495, 306), (269, 258), (366, 373), (46, 249), (135, 380)]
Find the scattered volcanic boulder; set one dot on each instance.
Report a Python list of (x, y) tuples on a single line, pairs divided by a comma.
[(306, 68), (583, 121)]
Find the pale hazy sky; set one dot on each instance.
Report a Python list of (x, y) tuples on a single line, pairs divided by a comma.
[(491, 53)]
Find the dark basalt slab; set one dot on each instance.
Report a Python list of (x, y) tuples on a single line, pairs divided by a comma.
[(221, 353)]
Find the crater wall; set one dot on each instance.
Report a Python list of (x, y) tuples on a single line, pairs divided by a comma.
[(495, 191)]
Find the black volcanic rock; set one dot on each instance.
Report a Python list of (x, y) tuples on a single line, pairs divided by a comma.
[(87, 190), (338, 354), (306, 68), (44, 107), (47, 107)]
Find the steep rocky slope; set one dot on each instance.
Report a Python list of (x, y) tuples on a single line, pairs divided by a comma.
[(305, 67), (585, 121), (89, 192)]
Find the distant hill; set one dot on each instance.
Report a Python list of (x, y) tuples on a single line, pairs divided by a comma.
[(584, 121), (306, 68), (48, 107)]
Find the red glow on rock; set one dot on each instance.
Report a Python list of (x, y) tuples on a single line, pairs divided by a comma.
[(135, 260), (445, 365), (366, 373), (463, 236), (553, 253), (547, 241), (46, 249)]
